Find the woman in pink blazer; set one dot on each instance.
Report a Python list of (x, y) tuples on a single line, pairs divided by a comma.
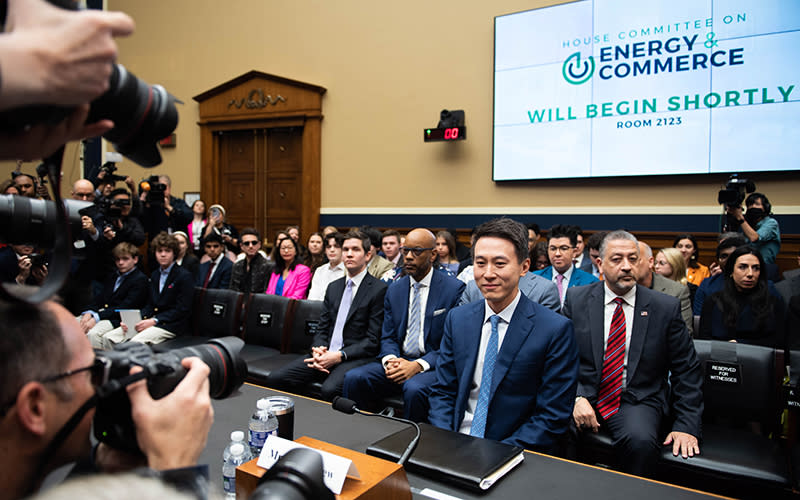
[(289, 278)]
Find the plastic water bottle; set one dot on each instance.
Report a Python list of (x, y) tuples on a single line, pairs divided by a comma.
[(238, 455), (236, 437), (262, 424)]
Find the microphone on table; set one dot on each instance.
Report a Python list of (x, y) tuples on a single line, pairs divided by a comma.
[(348, 406)]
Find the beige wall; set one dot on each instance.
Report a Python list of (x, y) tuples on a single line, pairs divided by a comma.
[(389, 68)]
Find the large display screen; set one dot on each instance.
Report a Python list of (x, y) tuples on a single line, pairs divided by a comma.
[(601, 88)]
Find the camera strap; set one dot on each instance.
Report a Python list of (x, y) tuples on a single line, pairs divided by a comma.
[(62, 252)]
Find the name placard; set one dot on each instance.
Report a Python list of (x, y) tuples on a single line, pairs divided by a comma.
[(335, 468)]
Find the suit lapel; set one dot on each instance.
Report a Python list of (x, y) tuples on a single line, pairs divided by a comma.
[(430, 306), (405, 290), (597, 324), (471, 338), (639, 332), (517, 333), (168, 282), (363, 291)]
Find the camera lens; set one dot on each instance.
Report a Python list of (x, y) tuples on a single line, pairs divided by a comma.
[(228, 369), (142, 114), (27, 220)]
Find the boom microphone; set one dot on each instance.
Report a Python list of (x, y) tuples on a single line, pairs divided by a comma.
[(348, 406)]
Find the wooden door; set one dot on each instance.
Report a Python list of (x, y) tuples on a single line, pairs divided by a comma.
[(260, 178)]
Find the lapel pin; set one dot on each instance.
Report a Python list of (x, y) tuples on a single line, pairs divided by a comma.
[(643, 313)]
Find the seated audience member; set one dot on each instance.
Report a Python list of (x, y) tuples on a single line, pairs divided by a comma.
[(744, 310), (251, 274), (169, 303), (390, 246), (561, 242), (713, 283), (328, 230), (332, 270), (16, 265), (294, 233), (414, 311), (8, 187), (647, 278), (169, 215), (539, 259), (649, 365), (199, 220), (593, 245), (670, 264), (217, 225), (758, 225), (581, 259), (463, 252), (216, 271), (533, 237), (507, 367), (695, 271), (790, 285), (125, 289), (289, 278), (349, 327), (316, 252), (446, 252), (53, 375), (186, 259), (377, 265)]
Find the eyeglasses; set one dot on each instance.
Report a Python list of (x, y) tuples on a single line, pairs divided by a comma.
[(83, 195), (417, 251), (99, 376), (562, 249), (249, 243)]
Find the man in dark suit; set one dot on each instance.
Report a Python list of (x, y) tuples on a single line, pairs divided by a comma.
[(507, 367), (413, 317), (215, 273), (125, 289), (648, 279), (561, 243), (349, 326), (581, 257), (632, 342), (169, 304)]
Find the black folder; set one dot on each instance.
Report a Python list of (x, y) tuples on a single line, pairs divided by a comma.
[(460, 459)]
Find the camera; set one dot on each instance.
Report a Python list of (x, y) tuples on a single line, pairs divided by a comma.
[(298, 475), (109, 168), (735, 191), (155, 190), (113, 423), (37, 260)]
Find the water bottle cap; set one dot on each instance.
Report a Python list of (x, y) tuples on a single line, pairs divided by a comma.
[(237, 449), (262, 404), (237, 436)]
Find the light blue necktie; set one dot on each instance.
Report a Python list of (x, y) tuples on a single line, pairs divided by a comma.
[(411, 345), (482, 408), (341, 317)]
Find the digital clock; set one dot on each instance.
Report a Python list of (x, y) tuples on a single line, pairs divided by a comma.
[(444, 134)]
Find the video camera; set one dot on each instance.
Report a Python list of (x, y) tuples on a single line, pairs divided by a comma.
[(735, 191), (109, 168), (163, 371), (155, 190)]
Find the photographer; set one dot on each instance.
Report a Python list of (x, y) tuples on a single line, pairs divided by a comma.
[(50, 55), (51, 377), (163, 214), (119, 226), (758, 226), (19, 264)]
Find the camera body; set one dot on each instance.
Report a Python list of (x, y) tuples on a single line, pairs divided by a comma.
[(109, 168), (113, 423), (155, 190), (735, 191)]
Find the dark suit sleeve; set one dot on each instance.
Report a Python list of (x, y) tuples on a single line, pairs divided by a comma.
[(443, 392), (369, 343), (326, 319), (556, 396), (170, 317), (389, 334), (686, 376), (225, 276), (181, 214)]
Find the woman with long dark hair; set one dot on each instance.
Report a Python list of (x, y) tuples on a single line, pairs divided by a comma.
[(695, 271), (316, 252), (744, 310), (290, 278)]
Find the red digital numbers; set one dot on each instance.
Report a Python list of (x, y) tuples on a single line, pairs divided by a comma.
[(451, 133)]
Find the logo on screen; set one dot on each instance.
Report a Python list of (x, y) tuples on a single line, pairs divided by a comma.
[(577, 72)]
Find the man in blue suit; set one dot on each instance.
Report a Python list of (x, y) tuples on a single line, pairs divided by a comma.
[(508, 367), (414, 310), (561, 243), (215, 273)]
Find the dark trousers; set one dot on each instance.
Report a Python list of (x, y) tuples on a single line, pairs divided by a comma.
[(368, 385), (634, 431), (295, 375)]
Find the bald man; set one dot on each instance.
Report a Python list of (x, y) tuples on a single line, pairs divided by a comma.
[(647, 278), (77, 292), (413, 320)]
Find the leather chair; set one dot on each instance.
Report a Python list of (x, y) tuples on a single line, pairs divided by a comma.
[(264, 325), (215, 313)]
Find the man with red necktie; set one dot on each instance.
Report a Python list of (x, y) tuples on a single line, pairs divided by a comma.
[(633, 346)]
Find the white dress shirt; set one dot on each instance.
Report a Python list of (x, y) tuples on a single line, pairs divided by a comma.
[(324, 276)]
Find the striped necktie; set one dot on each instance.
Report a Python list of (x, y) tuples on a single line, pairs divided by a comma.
[(608, 396)]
